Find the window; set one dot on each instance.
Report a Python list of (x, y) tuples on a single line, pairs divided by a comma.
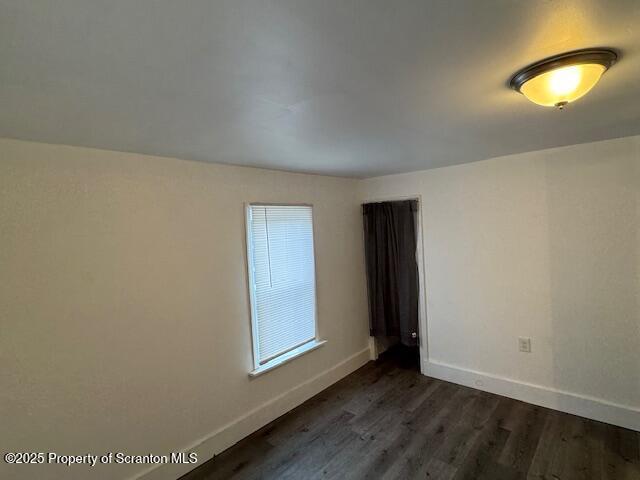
[(281, 283)]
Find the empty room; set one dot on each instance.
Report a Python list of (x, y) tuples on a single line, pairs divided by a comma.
[(320, 239)]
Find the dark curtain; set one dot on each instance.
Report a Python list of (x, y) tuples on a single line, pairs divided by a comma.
[(392, 269)]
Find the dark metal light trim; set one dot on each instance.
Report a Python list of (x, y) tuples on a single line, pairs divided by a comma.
[(603, 56)]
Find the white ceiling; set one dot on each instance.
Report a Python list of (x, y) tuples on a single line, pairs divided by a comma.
[(342, 87)]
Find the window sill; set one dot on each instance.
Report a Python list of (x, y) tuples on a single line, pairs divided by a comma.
[(287, 357)]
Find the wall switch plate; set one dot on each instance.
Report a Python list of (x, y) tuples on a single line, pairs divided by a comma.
[(524, 344)]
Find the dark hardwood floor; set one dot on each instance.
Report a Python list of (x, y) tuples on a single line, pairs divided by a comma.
[(386, 421)]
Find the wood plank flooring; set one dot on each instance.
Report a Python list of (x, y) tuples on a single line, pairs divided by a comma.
[(386, 421)]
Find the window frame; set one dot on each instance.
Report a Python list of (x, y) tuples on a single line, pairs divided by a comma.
[(295, 351)]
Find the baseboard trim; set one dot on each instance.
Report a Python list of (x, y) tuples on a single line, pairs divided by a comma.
[(257, 418), (581, 405)]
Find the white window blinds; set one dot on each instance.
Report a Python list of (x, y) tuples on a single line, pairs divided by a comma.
[(282, 278)]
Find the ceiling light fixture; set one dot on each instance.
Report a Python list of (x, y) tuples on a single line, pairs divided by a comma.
[(564, 78)]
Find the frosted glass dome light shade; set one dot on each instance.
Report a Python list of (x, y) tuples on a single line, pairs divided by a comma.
[(562, 79)]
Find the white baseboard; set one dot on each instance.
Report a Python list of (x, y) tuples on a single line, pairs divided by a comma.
[(257, 418), (373, 349), (581, 405)]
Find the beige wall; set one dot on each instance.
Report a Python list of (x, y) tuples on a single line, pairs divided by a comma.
[(124, 312), (543, 245)]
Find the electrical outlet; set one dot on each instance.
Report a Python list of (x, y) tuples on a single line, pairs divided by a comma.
[(524, 344)]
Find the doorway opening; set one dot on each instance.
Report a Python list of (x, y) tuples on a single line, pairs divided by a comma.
[(395, 273)]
